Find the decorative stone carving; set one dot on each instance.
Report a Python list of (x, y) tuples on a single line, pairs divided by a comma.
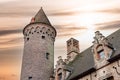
[(102, 49), (61, 72)]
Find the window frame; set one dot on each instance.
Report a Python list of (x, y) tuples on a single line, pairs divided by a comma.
[(103, 54)]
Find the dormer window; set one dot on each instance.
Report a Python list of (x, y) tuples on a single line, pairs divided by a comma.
[(102, 50)]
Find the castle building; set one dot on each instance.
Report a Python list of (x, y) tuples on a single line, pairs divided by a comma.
[(101, 61), (38, 56)]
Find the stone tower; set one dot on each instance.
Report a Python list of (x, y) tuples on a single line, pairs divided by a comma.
[(72, 48), (38, 56)]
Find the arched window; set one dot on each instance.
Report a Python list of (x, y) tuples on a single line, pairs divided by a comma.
[(101, 54), (60, 76)]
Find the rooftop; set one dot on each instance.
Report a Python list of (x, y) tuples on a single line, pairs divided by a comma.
[(84, 62)]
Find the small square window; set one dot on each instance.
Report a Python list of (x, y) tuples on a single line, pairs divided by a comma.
[(30, 78), (40, 30), (43, 37)]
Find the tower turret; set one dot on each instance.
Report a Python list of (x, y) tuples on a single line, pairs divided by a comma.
[(38, 56)]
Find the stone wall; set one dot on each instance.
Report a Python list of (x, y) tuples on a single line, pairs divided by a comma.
[(107, 71), (38, 56)]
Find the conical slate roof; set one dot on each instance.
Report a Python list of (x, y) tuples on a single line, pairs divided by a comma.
[(41, 17)]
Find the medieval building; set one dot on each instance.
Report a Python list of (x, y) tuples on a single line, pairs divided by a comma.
[(101, 61)]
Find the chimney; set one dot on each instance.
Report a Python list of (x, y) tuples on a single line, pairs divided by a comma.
[(72, 49)]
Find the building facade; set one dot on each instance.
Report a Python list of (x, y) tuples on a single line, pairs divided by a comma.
[(101, 61)]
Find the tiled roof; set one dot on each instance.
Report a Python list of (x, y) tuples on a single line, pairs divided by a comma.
[(83, 62)]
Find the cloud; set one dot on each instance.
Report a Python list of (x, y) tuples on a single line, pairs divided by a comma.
[(2, 1), (13, 75), (112, 10), (62, 13), (28, 12), (9, 77), (68, 29), (108, 25), (6, 32), (25, 10), (16, 14), (18, 9), (10, 57), (2, 78), (12, 41), (69, 12)]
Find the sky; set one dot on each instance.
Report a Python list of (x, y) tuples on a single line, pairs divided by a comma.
[(71, 18)]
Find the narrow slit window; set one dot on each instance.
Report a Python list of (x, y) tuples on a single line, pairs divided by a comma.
[(27, 39), (47, 55)]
